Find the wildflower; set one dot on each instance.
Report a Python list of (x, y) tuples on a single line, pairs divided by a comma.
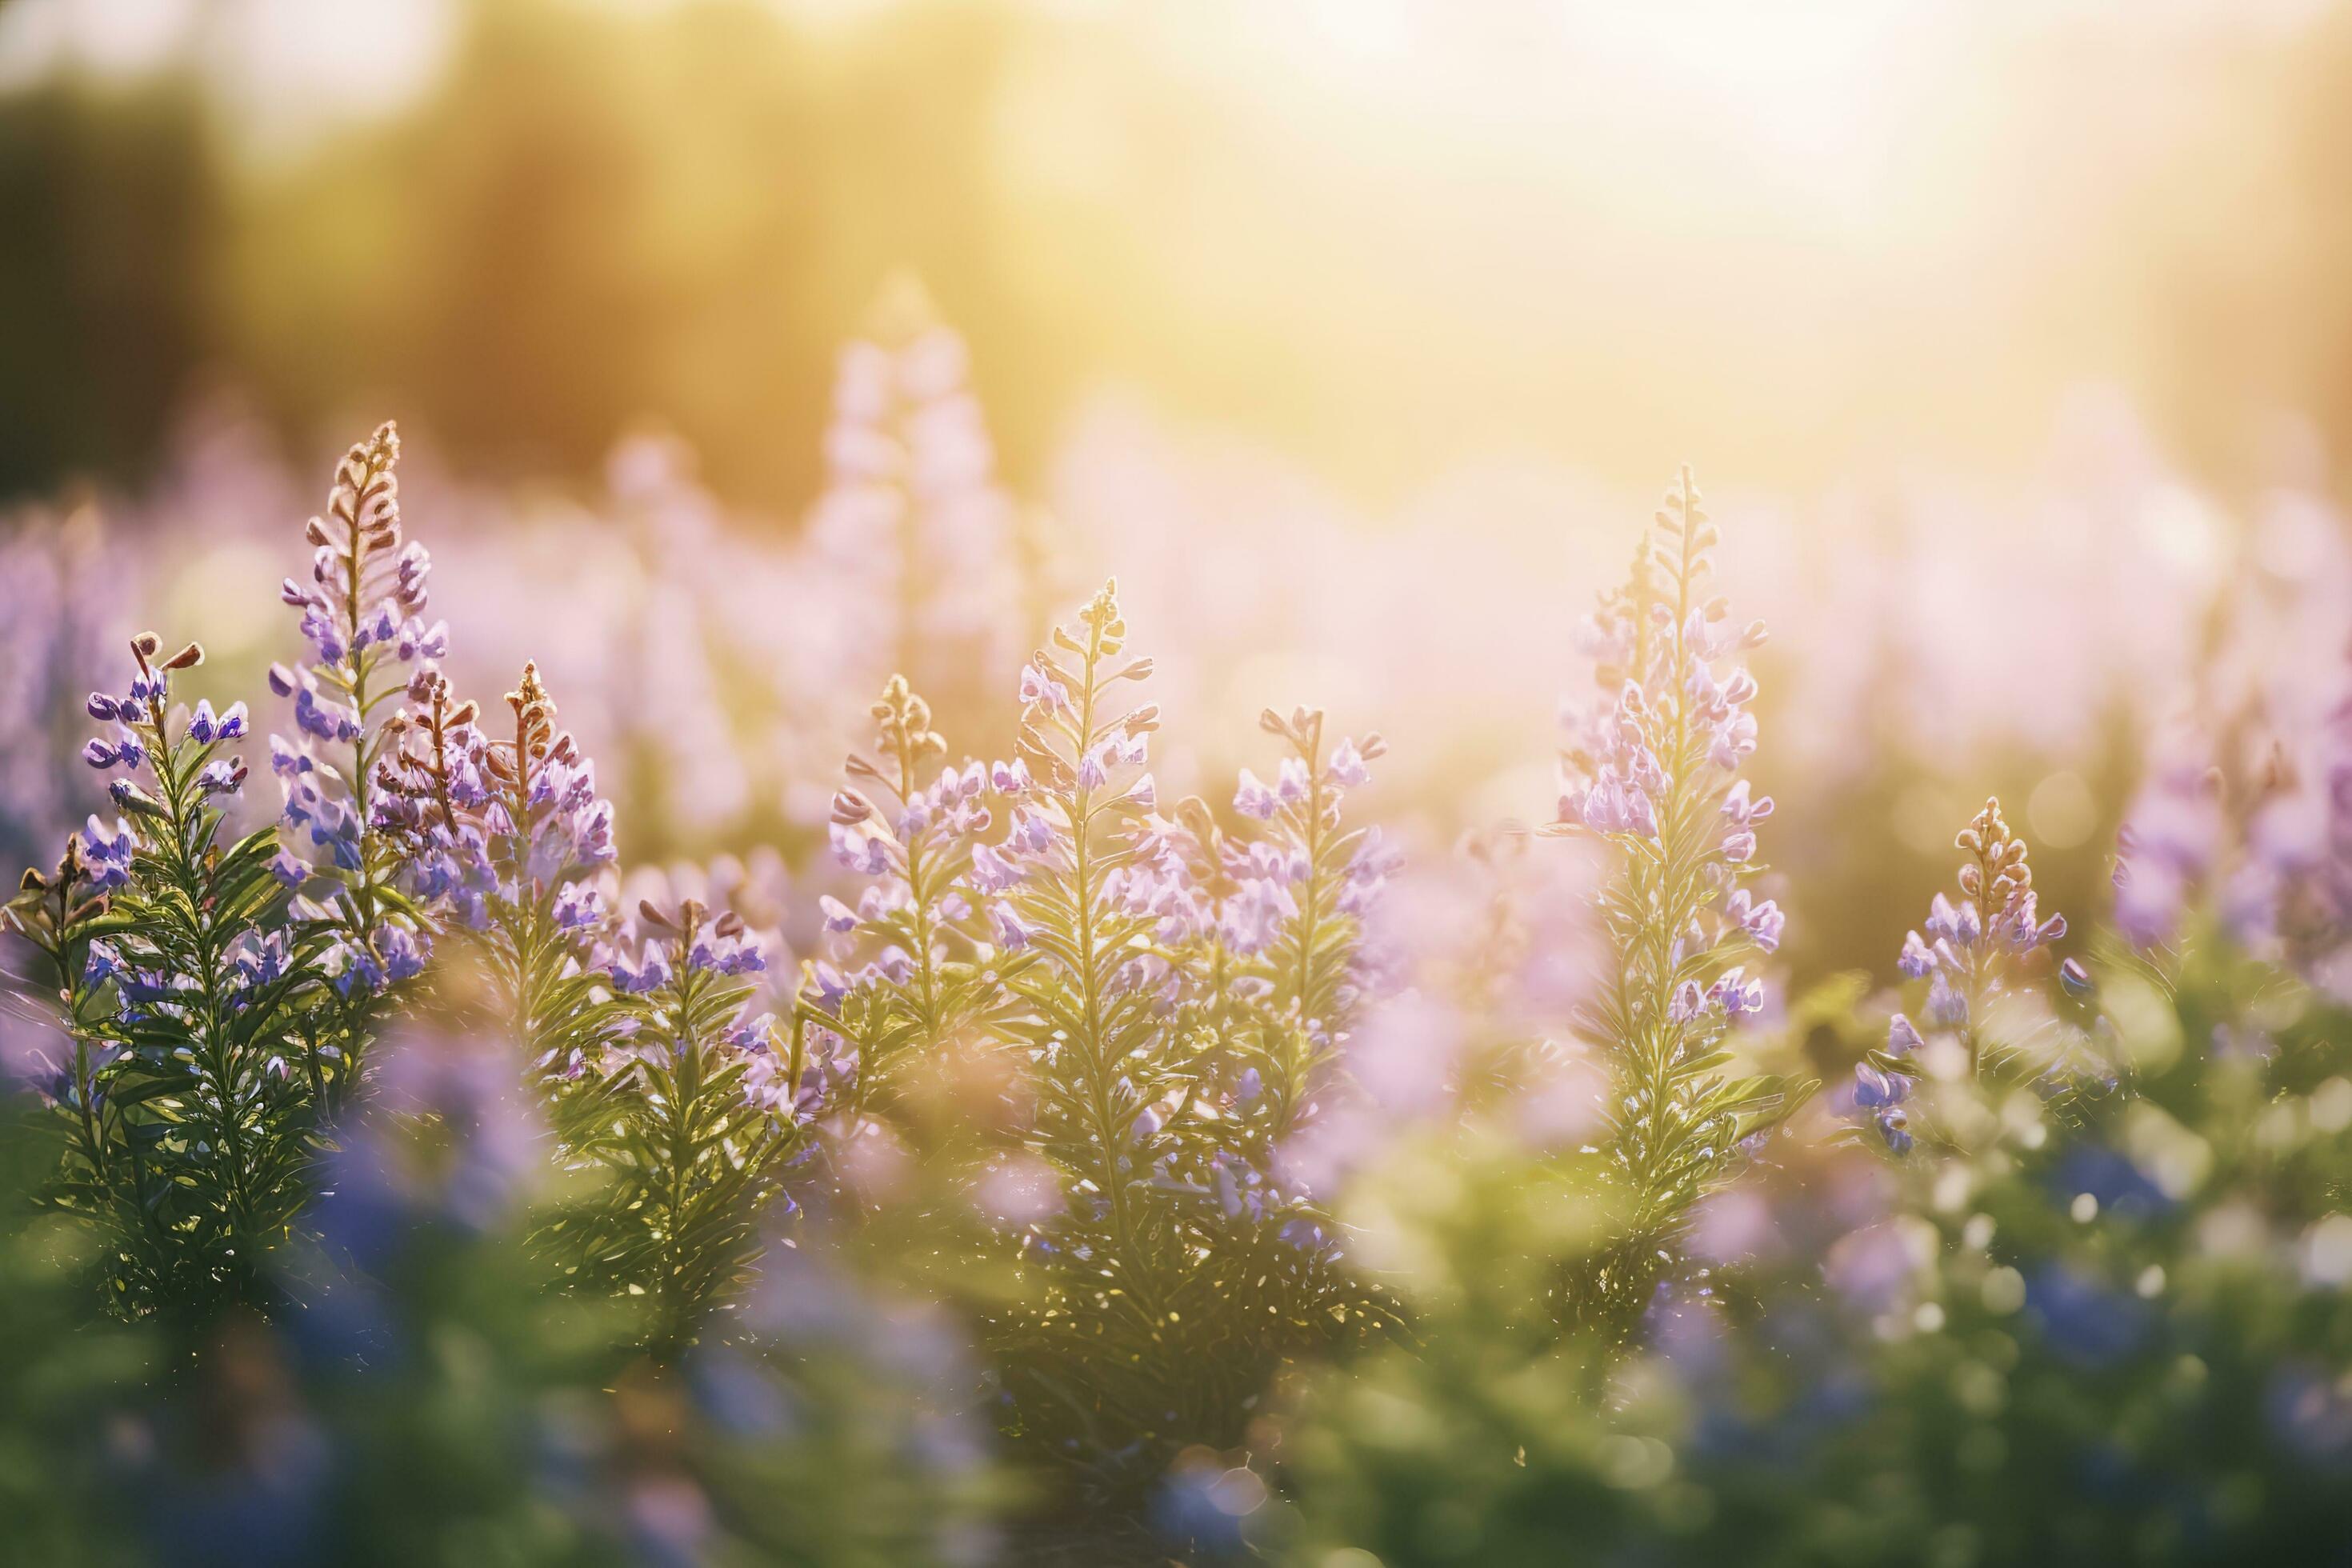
[(918, 926), (1252, 798), (1042, 691), (1735, 992), (650, 973), (365, 586), (404, 953), (1972, 951), (106, 852), (1652, 755), (1878, 1090), (694, 1120), (1010, 932), (1346, 769), (1895, 1126), (993, 870), (1762, 923), (579, 907)]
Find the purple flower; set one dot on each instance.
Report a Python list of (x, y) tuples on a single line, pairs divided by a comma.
[(1944, 922), (1737, 992), (1946, 1005), (326, 720), (991, 870), (1763, 921), (1879, 1091), (1740, 809), (1896, 1128), (1042, 691), (354, 971), (1032, 832), (858, 850), (1346, 769), (579, 906), (1252, 798), (403, 955), (1917, 958), (107, 853), (650, 975)]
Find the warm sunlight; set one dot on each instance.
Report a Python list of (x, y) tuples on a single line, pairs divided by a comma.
[(1175, 783)]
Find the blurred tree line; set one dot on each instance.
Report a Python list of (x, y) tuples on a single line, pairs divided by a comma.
[(596, 213), (592, 215)]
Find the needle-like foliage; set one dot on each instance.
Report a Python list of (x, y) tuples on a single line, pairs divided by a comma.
[(189, 1104), (506, 837), (1981, 1013), (926, 950), (367, 648), (1652, 768), (1177, 998), (690, 1114)]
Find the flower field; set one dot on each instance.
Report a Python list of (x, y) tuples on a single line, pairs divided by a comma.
[(1148, 1008)]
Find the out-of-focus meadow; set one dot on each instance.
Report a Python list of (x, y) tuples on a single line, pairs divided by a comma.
[(747, 351)]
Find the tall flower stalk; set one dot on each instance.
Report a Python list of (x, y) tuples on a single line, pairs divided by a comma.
[(914, 528), (367, 646), (507, 839), (1974, 952), (1652, 768), (927, 945), (1289, 906), (191, 1120), (1107, 1080), (690, 1115)]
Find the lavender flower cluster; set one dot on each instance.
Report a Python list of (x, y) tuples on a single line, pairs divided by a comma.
[(1973, 954), (1175, 999), (1652, 768)]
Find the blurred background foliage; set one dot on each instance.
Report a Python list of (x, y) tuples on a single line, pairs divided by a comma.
[(1383, 237)]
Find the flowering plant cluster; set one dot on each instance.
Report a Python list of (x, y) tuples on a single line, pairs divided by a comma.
[(507, 837), (689, 1116), (1973, 953), (1652, 768), (190, 1097), (362, 625), (1176, 998)]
